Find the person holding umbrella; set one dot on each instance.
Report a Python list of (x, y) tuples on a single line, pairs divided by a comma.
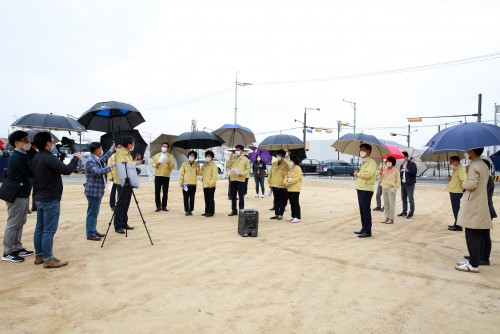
[(365, 181), (293, 182), (239, 168), (163, 163), (276, 181), (454, 187), (188, 177), (210, 175)]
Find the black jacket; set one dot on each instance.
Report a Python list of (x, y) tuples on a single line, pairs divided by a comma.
[(411, 174), (259, 169), (47, 181), (19, 170)]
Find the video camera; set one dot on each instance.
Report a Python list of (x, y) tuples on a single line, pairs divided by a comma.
[(69, 143)]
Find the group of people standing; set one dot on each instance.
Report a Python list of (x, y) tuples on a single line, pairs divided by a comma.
[(471, 190)]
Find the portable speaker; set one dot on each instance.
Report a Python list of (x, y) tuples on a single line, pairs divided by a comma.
[(248, 222)]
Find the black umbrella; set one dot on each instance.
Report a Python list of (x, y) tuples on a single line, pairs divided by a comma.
[(111, 117), (140, 145), (197, 139), (300, 153), (281, 142), (48, 122)]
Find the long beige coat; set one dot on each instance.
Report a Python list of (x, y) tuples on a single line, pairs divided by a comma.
[(474, 212)]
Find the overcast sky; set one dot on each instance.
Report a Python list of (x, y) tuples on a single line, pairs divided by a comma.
[(177, 60)]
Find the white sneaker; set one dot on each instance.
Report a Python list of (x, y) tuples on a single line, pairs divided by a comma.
[(467, 267), (289, 219), (257, 196), (262, 196), (246, 196), (461, 263), (296, 220)]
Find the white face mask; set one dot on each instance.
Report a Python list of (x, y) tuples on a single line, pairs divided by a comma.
[(278, 157), (467, 156), (191, 158), (362, 154), (209, 158), (238, 153), (27, 146), (258, 158), (164, 149), (133, 148), (389, 164)]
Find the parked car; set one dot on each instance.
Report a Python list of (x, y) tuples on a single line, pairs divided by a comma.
[(333, 167), (220, 165), (309, 166)]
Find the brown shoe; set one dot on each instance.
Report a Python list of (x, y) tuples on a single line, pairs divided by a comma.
[(39, 259), (385, 221), (390, 221), (93, 237), (54, 263)]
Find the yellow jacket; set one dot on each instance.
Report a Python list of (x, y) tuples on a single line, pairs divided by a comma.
[(188, 173), (459, 175), (113, 174), (294, 179), (277, 174), (121, 155), (390, 178), (365, 180), (210, 174), (242, 164), (165, 168)]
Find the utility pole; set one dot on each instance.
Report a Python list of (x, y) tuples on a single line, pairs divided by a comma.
[(305, 124), (479, 102), (408, 135), (236, 84), (353, 104)]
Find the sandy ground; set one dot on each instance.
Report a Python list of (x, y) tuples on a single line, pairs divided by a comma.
[(200, 276)]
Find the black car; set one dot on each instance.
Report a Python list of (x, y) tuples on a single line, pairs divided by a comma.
[(334, 167), (309, 166)]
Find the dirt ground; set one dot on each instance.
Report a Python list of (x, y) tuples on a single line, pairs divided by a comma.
[(200, 276)]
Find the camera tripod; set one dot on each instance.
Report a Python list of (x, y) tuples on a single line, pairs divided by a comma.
[(127, 187)]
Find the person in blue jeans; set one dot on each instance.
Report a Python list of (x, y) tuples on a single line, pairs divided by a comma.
[(95, 172), (47, 193), (259, 173)]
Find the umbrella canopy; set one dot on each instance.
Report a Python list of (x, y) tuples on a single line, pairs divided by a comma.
[(495, 158), (281, 142), (464, 137), (350, 142), (235, 134), (197, 139), (265, 155), (48, 122), (180, 154), (393, 152), (440, 156), (33, 132), (300, 153), (111, 116), (109, 138)]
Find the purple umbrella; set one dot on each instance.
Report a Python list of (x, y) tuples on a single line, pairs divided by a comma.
[(264, 155)]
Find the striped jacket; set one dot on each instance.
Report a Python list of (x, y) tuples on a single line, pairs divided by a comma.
[(96, 171)]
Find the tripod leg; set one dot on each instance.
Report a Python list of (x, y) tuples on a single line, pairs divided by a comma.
[(109, 225), (143, 221)]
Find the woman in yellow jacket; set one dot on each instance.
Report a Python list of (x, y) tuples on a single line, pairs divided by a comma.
[(210, 175), (276, 181), (293, 182), (188, 177), (390, 180)]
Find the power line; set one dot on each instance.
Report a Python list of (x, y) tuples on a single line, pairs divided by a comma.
[(457, 62), (203, 97)]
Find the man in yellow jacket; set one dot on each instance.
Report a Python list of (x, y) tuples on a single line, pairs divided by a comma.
[(188, 178), (124, 193), (239, 168), (276, 181), (365, 181), (163, 163), (455, 189), (210, 175)]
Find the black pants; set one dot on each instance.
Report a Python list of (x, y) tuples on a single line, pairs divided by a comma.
[(122, 205), (280, 200), (209, 200), (455, 204), (112, 196), (473, 239), (189, 197), (364, 200), (293, 196), (246, 185), (485, 245), (237, 189), (161, 182)]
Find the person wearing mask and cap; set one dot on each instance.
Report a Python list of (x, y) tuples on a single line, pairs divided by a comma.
[(408, 180), (210, 175), (276, 180), (188, 178), (293, 182), (239, 168), (163, 163), (390, 182), (365, 181), (454, 187)]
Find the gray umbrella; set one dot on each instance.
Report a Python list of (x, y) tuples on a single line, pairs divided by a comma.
[(180, 154), (281, 142), (350, 142), (440, 156), (48, 122)]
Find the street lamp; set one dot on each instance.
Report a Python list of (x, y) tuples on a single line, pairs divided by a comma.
[(236, 84), (305, 122), (407, 136), (353, 104)]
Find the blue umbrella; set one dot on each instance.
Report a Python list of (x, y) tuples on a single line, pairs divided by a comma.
[(464, 137), (349, 144), (235, 134)]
